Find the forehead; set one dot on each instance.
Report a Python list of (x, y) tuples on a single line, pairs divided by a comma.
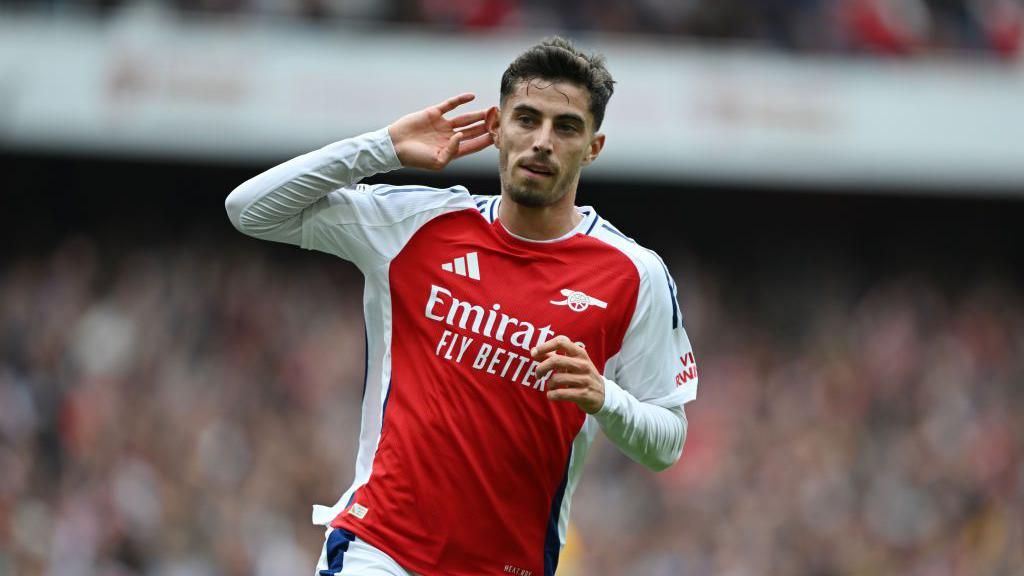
[(551, 98)]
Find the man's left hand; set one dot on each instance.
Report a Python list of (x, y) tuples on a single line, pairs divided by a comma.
[(574, 377)]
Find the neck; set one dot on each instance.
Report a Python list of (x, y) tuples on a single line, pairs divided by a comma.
[(539, 223)]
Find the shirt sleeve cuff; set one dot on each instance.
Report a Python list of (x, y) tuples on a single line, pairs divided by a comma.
[(362, 156), (614, 400), (384, 149)]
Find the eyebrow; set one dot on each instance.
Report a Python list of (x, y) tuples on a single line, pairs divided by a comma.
[(532, 110)]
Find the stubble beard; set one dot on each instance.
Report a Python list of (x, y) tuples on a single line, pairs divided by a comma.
[(531, 197), (527, 194)]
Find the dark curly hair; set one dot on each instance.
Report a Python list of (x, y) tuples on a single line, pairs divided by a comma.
[(556, 59)]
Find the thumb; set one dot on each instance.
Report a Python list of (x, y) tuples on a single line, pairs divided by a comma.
[(451, 151)]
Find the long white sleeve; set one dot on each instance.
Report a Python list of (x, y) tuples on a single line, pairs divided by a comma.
[(650, 434), (270, 205)]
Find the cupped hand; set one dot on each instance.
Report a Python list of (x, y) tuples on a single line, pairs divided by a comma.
[(573, 376), (426, 139)]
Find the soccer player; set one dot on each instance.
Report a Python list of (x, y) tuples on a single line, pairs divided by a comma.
[(502, 331)]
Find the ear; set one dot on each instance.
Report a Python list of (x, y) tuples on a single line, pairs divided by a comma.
[(596, 145), (493, 122)]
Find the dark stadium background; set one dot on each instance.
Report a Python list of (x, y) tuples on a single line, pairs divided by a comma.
[(763, 238), (775, 257)]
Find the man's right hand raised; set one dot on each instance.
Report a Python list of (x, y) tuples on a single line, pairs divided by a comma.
[(426, 139)]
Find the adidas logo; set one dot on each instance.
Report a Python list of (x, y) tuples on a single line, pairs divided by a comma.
[(464, 266)]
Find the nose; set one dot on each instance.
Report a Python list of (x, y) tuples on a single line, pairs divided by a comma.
[(542, 142)]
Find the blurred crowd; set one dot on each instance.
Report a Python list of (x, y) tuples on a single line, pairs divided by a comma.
[(175, 411), (891, 27)]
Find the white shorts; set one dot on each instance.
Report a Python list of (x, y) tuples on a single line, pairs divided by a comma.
[(346, 555)]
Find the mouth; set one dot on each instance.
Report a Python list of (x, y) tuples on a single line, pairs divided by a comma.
[(538, 170)]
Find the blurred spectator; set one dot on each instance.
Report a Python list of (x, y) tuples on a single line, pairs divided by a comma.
[(175, 411), (879, 27)]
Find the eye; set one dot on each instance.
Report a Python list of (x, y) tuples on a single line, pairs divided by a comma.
[(568, 128), (525, 120)]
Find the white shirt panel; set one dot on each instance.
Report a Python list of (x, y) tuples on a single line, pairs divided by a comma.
[(656, 349), (315, 201), (269, 205), (369, 225)]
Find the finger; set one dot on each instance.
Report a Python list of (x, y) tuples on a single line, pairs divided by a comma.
[(455, 101), (561, 364), (468, 118), (577, 395), (476, 144), (472, 132), (478, 129), (560, 380), (557, 344), (451, 150)]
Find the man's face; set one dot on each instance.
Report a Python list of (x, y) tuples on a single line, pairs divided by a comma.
[(544, 133)]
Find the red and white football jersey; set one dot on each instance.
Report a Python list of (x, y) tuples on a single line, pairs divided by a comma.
[(464, 466)]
